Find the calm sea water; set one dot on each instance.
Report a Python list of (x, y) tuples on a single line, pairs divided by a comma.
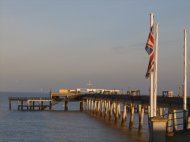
[(60, 126)]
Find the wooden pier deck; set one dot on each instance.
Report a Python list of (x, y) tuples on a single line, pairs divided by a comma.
[(31, 103)]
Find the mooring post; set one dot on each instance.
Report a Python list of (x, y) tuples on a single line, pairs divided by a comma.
[(124, 115), (131, 116)]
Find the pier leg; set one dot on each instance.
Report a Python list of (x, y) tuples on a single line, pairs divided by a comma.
[(98, 108), (188, 120), (174, 120), (50, 105), (184, 120), (124, 116), (87, 105), (169, 125), (114, 109), (66, 105), (92, 107), (161, 112), (148, 111), (110, 111), (33, 105), (21, 105), (131, 117), (41, 105), (141, 118), (9, 104), (139, 112), (101, 108), (117, 112), (82, 105), (95, 104), (106, 109)]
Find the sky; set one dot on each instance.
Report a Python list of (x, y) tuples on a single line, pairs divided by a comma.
[(52, 44)]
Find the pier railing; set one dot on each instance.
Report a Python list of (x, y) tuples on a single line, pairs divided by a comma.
[(176, 121)]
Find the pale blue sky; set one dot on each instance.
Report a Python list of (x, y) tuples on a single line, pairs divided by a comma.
[(65, 43)]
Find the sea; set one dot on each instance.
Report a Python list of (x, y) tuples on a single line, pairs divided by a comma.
[(58, 125)]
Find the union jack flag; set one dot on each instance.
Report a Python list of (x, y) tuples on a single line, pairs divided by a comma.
[(150, 50)]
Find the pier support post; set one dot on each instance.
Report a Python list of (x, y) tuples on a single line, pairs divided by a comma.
[(98, 108), (41, 105), (161, 112), (21, 104), (184, 119), (117, 113), (158, 129), (148, 111), (102, 108), (188, 120), (106, 109), (92, 106), (33, 105), (87, 104), (131, 117), (66, 105), (9, 104), (82, 105), (141, 118), (111, 111), (124, 115), (50, 105), (169, 124), (174, 120)]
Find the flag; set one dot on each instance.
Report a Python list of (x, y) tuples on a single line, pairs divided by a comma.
[(150, 50)]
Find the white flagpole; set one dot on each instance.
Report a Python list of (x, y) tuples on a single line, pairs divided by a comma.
[(155, 74), (151, 74), (185, 71)]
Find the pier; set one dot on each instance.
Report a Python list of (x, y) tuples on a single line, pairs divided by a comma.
[(117, 109), (31, 103)]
